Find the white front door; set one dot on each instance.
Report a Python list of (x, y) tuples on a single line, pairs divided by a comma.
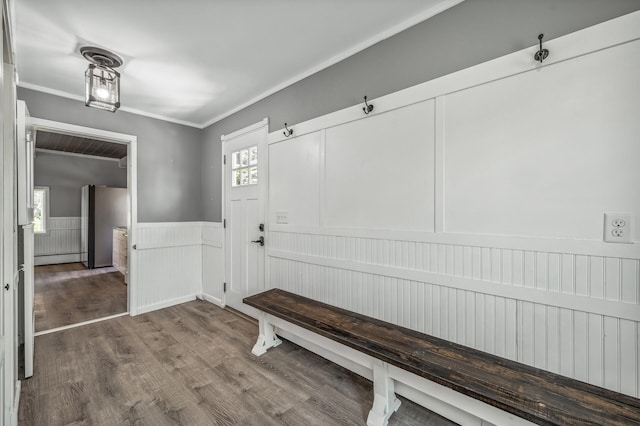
[(244, 182)]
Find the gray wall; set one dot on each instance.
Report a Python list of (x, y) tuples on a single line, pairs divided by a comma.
[(470, 33), (65, 175), (169, 155)]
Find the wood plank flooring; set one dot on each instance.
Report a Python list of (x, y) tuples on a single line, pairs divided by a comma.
[(191, 364), (70, 293)]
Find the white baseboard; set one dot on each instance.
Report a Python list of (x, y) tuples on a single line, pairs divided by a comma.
[(213, 299), (165, 304), (54, 259)]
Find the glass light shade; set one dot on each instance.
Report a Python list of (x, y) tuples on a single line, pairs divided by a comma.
[(102, 88)]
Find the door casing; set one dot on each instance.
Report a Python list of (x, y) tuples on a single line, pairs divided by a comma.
[(263, 127)]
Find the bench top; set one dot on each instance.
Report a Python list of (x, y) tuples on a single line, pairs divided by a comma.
[(536, 395)]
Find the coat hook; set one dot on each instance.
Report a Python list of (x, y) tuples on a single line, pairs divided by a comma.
[(367, 107), (541, 54), (287, 132)]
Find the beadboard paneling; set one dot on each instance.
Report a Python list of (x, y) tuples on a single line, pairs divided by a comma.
[(565, 273), (62, 237), (169, 257), (213, 262), (515, 265), (169, 234), (381, 278)]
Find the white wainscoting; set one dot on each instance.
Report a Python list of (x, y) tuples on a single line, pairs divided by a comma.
[(571, 314), (170, 263), (61, 243), (177, 261), (515, 194), (213, 263)]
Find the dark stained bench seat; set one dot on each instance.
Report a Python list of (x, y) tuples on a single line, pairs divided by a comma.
[(536, 395)]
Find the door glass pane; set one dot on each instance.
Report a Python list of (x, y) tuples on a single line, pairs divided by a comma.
[(236, 160), (241, 173), (235, 178), (253, 155)]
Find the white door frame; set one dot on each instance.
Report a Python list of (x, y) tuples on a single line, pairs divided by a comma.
[(132, 187), (264, 161), (9, 383)]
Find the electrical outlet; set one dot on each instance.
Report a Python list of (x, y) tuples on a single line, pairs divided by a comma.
[(282, 218), (617, 227), (618, 223)]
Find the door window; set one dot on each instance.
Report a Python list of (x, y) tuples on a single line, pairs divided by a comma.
[(244, 167)]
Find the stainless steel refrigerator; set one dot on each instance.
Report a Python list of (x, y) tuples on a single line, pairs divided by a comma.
[(102, 210)]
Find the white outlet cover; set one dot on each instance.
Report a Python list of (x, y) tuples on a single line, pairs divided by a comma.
[(616, 233)]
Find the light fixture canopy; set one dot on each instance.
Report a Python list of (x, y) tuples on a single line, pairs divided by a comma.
[(102, 81)]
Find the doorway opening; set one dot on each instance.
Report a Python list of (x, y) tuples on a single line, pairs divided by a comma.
[(80, 230), (95, 279)]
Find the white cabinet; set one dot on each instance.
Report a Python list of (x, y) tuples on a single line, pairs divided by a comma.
[(120, 251)]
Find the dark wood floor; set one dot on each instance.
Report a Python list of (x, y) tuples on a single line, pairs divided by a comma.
[(69, 293), (191, 365)]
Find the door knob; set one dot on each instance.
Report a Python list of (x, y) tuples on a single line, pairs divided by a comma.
[(259, 241)]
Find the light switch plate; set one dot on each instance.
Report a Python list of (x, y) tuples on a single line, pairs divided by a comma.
[(282, 218)]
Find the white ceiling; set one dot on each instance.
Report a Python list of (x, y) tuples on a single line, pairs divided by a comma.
[(197, 61)]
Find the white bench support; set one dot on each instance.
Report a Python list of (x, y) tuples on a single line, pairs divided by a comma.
[(267, 337), (385, 402), (388, 379)]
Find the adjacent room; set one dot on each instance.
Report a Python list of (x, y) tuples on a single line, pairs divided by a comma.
[(80, 233), (418, 212)]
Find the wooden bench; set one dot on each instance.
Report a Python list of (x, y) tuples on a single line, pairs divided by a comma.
[(531, 394)]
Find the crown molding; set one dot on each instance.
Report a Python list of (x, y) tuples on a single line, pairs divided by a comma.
[(416, 19), (75, 97), (383, 35)]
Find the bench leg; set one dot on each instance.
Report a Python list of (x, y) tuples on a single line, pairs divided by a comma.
[(385, 402), (267, 337)]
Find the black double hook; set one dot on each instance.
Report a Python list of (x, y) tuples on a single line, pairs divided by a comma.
[(541, 54), (367, 107), (287, 131)]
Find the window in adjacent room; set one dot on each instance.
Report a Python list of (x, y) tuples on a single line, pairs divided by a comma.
[(244, 167), (40, 209)]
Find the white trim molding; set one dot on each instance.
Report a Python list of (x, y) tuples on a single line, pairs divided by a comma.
[(135, 111), (528, 291), (352, 50), (166, 303), (132, 184), (415, 19), (607, 34)]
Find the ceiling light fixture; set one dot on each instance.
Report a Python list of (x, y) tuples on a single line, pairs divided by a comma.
[(102, 81)]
